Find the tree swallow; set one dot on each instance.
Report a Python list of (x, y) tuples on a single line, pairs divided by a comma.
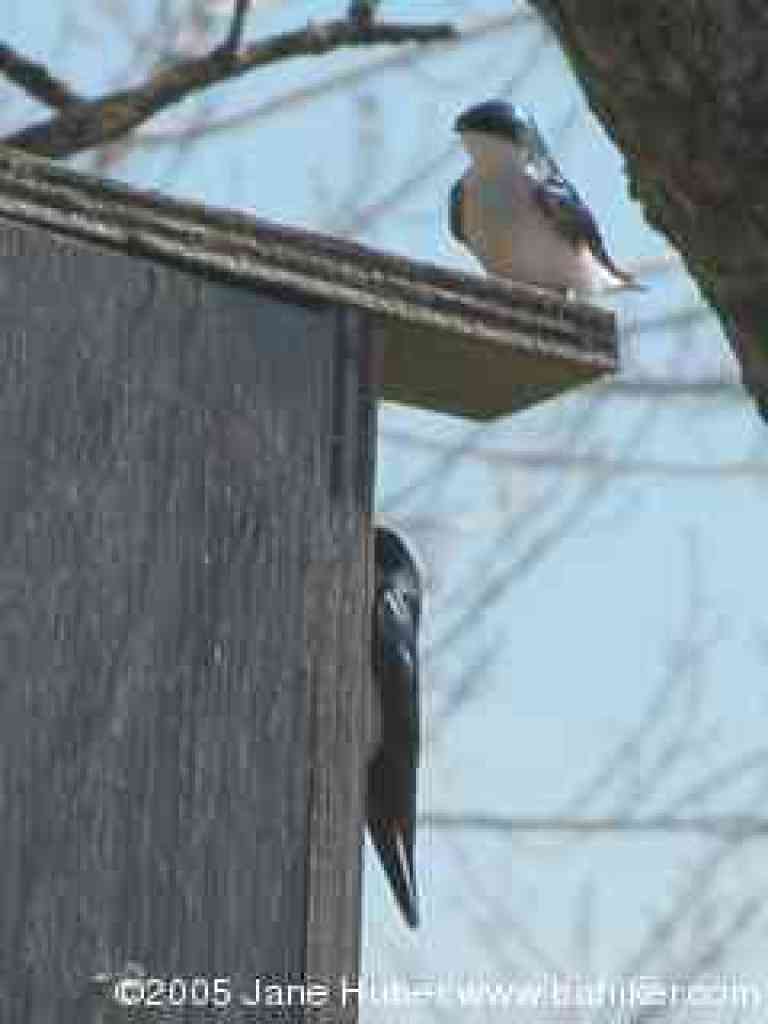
[(518, 214), (392, 770)]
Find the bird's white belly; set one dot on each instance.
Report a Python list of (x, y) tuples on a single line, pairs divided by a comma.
[(511, 237)]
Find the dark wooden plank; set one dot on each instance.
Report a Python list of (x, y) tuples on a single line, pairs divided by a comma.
[(529, 344), (338, 634), (183, 611)]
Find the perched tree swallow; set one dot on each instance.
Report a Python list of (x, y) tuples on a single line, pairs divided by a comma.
[(391, 796), (518, 214)]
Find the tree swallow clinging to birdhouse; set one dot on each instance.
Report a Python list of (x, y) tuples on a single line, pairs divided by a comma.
[(518, 214), (392, 770)]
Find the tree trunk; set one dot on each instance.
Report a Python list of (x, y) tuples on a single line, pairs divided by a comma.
[(681, 86)]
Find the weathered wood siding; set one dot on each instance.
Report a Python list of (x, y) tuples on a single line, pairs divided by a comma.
[(185, 478)]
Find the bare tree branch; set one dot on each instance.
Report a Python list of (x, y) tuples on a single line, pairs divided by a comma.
[(722, 826), (96, 122), (362, 11), (232, 44), (497, 579), (474, 31), (594, 463), (711, 955), (36, 80)]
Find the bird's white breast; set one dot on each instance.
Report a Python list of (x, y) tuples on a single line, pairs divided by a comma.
[(512, 237)]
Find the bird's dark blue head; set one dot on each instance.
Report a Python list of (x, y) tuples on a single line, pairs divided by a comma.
[(500, 119)]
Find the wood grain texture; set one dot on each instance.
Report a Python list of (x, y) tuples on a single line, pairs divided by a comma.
[(183, 614), (459, 343)]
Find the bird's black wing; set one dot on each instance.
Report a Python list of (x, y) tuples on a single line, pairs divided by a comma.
[(392, 833), (455, 203), (392, 772), (563, 205)]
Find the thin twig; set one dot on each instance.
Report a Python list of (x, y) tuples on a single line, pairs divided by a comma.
[(595, 463), (722, 826), (36, 80), (474, 31), (232, 45), (103, 120), (362, 11)]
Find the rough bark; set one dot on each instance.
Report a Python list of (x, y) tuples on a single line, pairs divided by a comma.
[(682, 88)]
